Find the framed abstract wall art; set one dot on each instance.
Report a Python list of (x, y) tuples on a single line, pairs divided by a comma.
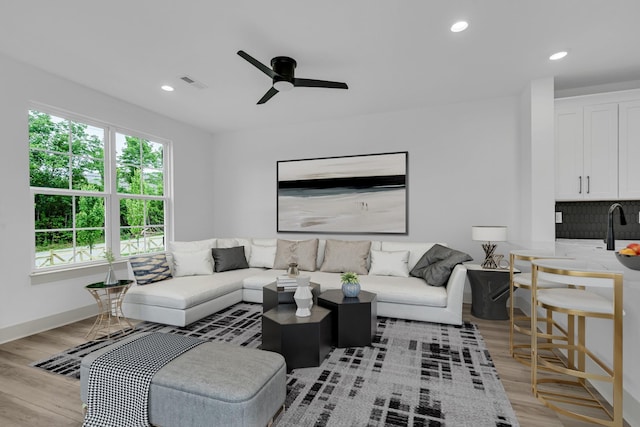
[(364, 194)]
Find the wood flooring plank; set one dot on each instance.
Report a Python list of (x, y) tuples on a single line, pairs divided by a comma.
[(53, 394), (15, 412), (32, 397)]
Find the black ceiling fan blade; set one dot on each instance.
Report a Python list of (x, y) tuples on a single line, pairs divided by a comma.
[(267, 96), (259, 65), (319, 83)]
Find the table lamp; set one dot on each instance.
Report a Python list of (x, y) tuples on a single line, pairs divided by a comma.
[(489, 234)]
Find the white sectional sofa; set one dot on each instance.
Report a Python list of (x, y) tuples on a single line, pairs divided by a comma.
[(182, 300)]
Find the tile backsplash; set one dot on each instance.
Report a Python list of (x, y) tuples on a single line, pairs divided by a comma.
[(588, 220)]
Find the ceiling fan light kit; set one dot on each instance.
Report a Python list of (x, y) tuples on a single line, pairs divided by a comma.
[(283, 77), (283, 86)]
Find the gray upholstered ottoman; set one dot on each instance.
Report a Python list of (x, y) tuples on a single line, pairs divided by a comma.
[(213, 384)]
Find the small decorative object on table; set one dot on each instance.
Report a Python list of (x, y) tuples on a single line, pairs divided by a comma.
[(303, 297), (350, 284), (501, 263), (111, 278), (293, 270)]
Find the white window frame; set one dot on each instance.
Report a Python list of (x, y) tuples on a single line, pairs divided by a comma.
[(111, 197)]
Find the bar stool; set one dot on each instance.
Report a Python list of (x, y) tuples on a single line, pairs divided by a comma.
[(566, 391), (522, 324)]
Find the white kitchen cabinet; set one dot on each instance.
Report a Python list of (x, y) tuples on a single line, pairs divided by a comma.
[(629, 146), (569, 153), (586, 140)]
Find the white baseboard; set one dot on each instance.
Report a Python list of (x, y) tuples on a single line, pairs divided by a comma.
[(22, 330), (630, 405)]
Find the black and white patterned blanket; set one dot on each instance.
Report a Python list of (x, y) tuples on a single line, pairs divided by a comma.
[(119, 380)]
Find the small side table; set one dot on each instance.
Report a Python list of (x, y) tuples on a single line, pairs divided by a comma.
[(274, 295), (489, 291), (303, 341), (110, 318), (355, 320)]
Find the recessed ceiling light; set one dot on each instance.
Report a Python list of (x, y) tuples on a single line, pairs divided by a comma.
[(459, 26), (558, 55), (167, 88)]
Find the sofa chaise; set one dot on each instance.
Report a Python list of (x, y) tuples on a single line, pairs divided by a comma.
[(416, 281)]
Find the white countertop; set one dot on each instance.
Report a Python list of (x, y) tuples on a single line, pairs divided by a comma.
[(595, 251)]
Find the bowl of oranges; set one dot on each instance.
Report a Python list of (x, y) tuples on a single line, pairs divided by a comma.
[(630, 256)]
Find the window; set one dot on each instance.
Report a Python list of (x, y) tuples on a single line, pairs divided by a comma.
[(140, 182), (94, 187)]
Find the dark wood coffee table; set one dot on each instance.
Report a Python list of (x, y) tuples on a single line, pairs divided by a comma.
[(271, 296), (303, 341), (354, 319)]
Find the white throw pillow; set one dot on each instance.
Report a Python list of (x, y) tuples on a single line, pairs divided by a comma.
[(385, 263), (195, 245), (192, 263), (227, 243), (416, 249), (262, 256)]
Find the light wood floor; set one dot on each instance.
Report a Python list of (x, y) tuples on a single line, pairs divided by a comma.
[(31, 397)]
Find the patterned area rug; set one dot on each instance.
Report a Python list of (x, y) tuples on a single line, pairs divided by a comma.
[(415, 374)]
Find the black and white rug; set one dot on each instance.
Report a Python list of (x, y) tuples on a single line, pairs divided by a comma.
[(415, 374)]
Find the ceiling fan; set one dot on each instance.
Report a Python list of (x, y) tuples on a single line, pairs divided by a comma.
[(282, 74)]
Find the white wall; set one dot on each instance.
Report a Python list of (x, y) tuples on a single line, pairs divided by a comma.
[(43, 302), (537, 171), (463, 164)]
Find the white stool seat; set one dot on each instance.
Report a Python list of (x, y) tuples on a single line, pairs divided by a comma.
[(524, 279), (575, 299)]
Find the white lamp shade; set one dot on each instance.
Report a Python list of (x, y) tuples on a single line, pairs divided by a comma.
[(489, 233)]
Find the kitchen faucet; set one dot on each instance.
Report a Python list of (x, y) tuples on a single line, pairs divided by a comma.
[(611, 241)]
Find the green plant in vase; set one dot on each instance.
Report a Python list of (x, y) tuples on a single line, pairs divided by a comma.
[(350, 284)]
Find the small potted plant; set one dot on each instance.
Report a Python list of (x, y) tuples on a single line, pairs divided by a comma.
[(350, 284), (111, 278)]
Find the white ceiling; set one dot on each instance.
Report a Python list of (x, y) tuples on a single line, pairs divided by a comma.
[(393, 54)]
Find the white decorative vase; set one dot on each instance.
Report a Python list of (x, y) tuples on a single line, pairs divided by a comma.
[(303, 297)]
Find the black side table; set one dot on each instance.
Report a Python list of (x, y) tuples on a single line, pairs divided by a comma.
[(355, 320), (273, 295), (489, 292), (303, 341)]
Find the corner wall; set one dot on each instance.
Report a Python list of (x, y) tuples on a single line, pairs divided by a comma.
[(30, 304)]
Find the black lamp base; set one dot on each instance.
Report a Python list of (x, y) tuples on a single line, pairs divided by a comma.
[(489, 249)]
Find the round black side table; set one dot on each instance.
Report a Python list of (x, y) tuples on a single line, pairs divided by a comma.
[(489, 292)]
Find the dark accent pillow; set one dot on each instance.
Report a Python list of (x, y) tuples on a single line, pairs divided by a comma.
[(150, 268), (226, 259), (437, 263)]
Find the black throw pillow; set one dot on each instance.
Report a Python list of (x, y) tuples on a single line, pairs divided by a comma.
[(226, 259), (437, 263)]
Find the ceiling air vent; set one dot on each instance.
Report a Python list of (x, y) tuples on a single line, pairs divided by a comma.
[(193, 82)]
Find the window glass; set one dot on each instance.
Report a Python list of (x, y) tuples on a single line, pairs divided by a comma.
[(72, 191), (141, 226)]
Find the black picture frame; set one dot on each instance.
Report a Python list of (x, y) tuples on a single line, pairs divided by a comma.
[(358, 194)]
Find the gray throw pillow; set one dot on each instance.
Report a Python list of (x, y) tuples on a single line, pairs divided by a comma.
[(437, 263), (225, 259), (342, 255), (302, 252), (150, 268)]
